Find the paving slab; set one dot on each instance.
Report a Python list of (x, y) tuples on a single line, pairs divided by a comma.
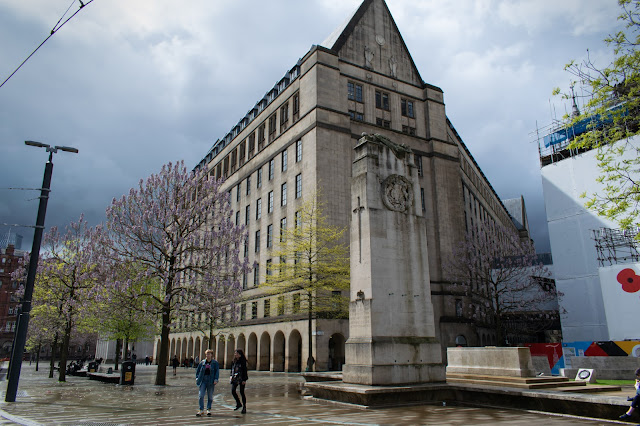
[(273, 399)]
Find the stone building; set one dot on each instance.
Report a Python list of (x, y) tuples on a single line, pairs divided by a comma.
[(9, 262), (300, 137)]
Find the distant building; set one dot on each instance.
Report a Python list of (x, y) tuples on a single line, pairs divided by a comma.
[(591, 256), (9, 262), (300, 137), (11, 238)]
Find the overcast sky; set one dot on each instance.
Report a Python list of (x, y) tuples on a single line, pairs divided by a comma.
[(136, 84)]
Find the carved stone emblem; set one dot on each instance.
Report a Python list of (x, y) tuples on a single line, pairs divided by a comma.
[(397, 193)]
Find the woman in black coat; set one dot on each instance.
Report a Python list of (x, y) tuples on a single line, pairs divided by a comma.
[(239, 377)]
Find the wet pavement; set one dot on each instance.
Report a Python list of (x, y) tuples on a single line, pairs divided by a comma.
[(272, 399)]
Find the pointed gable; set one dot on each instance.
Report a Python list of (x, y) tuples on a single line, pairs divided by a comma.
[(372, 40)]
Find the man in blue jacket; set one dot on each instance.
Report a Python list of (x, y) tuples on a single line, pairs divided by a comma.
[(207, 375)]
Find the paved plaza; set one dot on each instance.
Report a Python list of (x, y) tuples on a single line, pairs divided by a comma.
[(273, 399)]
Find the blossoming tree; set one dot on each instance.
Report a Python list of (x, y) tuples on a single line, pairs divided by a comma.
[(177, 227)]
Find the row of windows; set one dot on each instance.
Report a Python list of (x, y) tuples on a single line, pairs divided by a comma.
[(246, 149), (355, 91), (284, 164), (266, 307), (270, 201)]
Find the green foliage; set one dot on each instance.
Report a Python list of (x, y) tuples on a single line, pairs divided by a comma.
[(613, 97)]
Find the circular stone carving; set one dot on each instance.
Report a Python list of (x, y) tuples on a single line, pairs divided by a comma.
[(380, 40), (397, 193)]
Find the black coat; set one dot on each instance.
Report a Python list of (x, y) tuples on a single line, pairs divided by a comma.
[(241, 366)]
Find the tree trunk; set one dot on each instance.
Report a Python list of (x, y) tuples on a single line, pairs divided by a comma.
[(310, 360), (125, 351), (118, 349), (53, 355), (38, 357), (64, 354), (161, 374)]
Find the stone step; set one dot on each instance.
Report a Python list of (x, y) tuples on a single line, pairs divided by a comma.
[(521, 384), (590, 388), (508, 379)]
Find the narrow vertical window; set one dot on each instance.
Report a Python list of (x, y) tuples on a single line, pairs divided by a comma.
[(272, 166), (238, 218), (298, 220), (254, 310), (299, 186), (269, 236), (257, 247), (424, 206), (247, 210), (259, 178), (283, 194), (238, 191), (248, 185), (299, 151), (284, 160), (267, 308), (270, 202), (269, 269), (259, 208), (256, 275), (296, 107), (283, 229), (418, 159)]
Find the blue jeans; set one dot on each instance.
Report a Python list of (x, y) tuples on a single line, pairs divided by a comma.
[(208, 388)]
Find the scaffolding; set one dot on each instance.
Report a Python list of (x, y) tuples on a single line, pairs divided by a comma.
[(616, 246)]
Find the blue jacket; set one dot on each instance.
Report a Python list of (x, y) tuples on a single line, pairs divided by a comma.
[(215, 372)]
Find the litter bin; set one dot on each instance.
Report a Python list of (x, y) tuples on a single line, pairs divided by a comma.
[(128, 373), (92, 367)]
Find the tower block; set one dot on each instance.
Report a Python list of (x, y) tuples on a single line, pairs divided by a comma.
[(392, 337)]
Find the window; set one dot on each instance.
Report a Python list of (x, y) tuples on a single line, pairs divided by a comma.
[(270, 236), (256, 275), (407, 108), (384, 123), (272, 166), (283, 194), (244, 281), (272, 128), (238, 191), (269, 269), (252, 144), (254, 310), (354, 91), (356, 115), (259, 208), (259, 178), (283, 229), (246, 247), (243, 312), (261, 137), (238, 218), (246, 214), (424, 207), (267, 308), (270, 202), (458, 308), (418, 160), (280, 305), (257, 247), (284, 117), (298, 220), (299, 151), (296, 107), (296, 303), (284, 160), (299, 186), (248, 185), (382, 100)]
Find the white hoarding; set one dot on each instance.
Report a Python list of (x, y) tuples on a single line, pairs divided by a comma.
[(620, 286)]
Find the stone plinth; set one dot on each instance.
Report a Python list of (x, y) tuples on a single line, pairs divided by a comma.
[(491, 361)]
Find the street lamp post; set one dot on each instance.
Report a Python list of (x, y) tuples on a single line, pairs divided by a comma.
[(22, 325)]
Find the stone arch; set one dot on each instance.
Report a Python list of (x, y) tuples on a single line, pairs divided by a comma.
[(252, 352), (278, 351), (172, 348), (461, 341), (183, 349), (294, 352), (265, 352), (197, 350), (242, 343), (336, 352), (221, 341), (231, 347), (190, 348)]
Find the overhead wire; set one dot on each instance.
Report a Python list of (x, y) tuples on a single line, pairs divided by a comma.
[(53, 31)]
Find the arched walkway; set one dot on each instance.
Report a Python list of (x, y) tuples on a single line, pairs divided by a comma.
[(196, 350), (278, 351), (242, 344), (172, 348), (252, 352), (294, 356), (231, 347), (265, 352), (221, 346), (336, 352), (190, 348)]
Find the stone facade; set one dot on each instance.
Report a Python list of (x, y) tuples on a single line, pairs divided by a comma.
[(302, 134)]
